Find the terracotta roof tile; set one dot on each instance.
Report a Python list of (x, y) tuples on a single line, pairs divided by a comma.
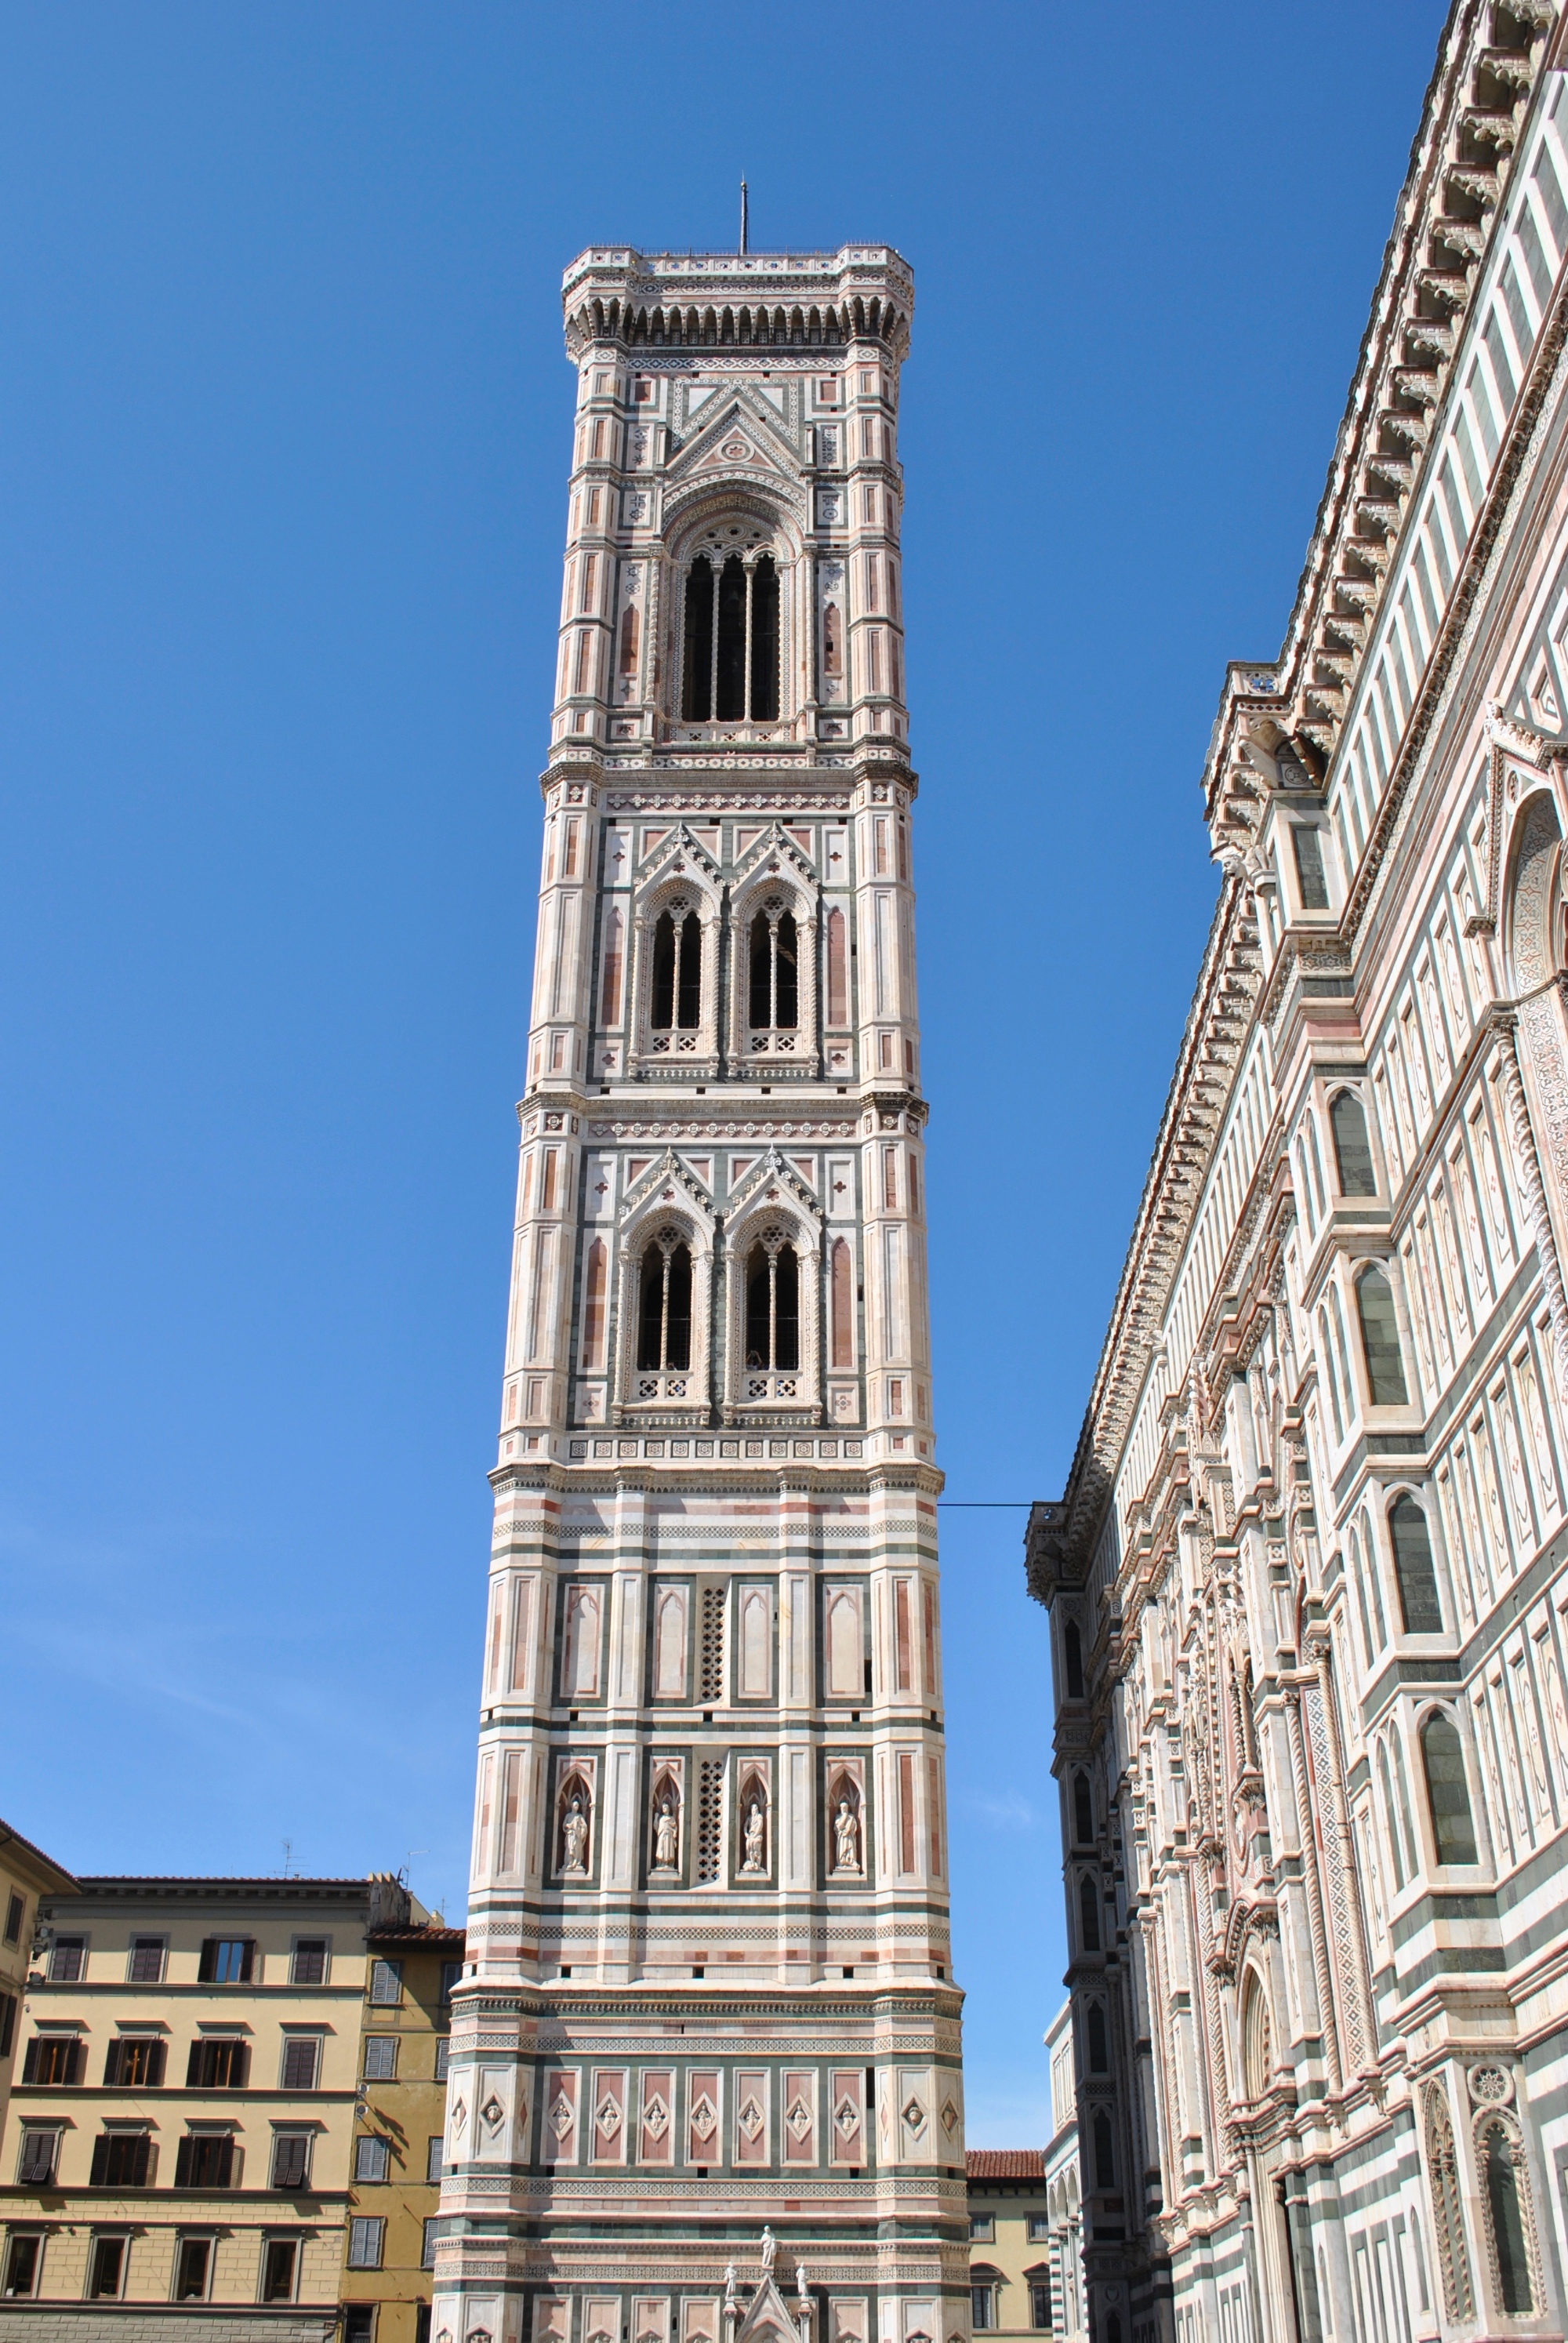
[(1005, 2164)]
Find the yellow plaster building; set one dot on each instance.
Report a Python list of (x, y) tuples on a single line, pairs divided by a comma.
[(1010, 2240), (27, 1873), (178, 2146), (396, 2181)]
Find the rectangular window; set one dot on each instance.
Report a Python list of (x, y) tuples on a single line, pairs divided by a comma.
[(24, 2259), (217, 2062), (279, 2266), (291, 2160), (106, 2269), (15, 1912), (309, 1964), (35, 2165), (1039, 2305), (135, 2063), (226, 1960), (52, 2059), (120, 2159), (1039, 2228), (982, 2300), (1311, 875), (443, 2052), (452, 1970), (380, 2057), (68, 1960), (359, 2323), (386, 1976), (301, 2061), (204, 2159), (890, 1179), (428, 2245), (364, 2237), (146, 1962), (8, 2023), (192, 2265), (982, 2228), (372, 2157)]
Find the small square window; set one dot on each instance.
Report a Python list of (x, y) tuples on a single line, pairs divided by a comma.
[(227, 1960), (106, 2269), (145, 1965), (386, 1984), (67, 1960), (372, 2155), (1038, 2228), (380, 2057), (433, 2148), (193, 2268), (279, 2268), (983, 2227), (16, 1913), (644, 390), (443, 2052), (828, 392), (24, 2262), (365, 2239), (308, 1965), (359, 2323)]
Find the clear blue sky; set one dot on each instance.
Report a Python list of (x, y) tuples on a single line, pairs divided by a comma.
[(284, 432)]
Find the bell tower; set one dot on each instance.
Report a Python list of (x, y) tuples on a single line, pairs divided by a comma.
[(709, 1991)]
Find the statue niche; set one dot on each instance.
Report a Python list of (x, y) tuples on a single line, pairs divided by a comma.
[(844, 1826), (574, 1809)]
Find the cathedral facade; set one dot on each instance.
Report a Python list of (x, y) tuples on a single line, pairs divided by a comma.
[(1308, 1581), (705, 2079)]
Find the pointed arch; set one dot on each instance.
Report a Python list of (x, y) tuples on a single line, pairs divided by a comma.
[(1447, 2207)]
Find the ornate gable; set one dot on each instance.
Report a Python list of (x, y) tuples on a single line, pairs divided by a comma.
[(679, 855), (668, 1181), (774, 850), (738, 440), (772, 1179)]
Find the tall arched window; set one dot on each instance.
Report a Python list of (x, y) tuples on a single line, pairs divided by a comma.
[(1380, 1340), (1257, 2040), (773, 988), (1412, 1568), (676, 996), (1447, 1792), (664, 1306), (1503, 2165), (1083, 1810), (1104, 2157), (1073, 1659), (843, 1304), (1353, 1149), (731, 668), (594, 1272), (772, 1305), (1098, 2035), (1447, 2208), (1088, 1914)]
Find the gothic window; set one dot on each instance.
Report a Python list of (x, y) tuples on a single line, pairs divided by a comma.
[(774, 986), (1353, 1149), (664, 1305), (595, 1271), (842, 1299), (1072, 1656), (838, 971), (1380, 1340), (1447, 1794), (1083, 1810), (676, 997), (1088, 1914), (1098, 2035), (1104, 2157), (772, 1304), (731, 668), (1412, 1568), (614, 961), (1447, 2208), (1257, 2043), (1507, 2214)]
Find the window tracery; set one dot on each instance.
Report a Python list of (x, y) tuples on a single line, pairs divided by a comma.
[(731, 663)]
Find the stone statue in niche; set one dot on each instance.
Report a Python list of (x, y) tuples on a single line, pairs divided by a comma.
[(846, 1838), (574, 1842), (756, 1838), (666, 1835)]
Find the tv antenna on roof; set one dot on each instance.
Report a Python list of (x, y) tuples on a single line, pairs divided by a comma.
[(744, 224)]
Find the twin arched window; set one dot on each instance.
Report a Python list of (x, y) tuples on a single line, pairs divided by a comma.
[(664, 1307), (731, 668), (772, 1304)]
